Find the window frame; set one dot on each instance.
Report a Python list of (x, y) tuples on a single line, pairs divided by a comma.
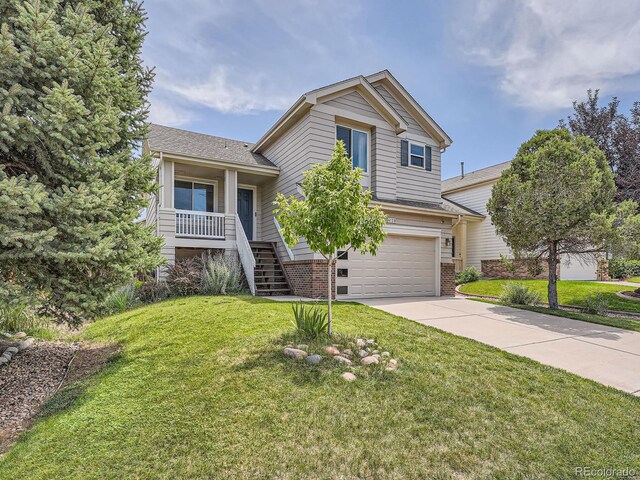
[(423, 156), (365, 172), (192, 180)]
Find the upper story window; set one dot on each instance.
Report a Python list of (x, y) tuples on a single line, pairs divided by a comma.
[(417, 155), (357, 144), (194, 196), (413, 154)]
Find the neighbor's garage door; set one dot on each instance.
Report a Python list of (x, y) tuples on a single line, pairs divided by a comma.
[(403, 266)]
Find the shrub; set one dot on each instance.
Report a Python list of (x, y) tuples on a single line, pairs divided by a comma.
[(596, 304), (222, 275), (468, 275), (185, 277), (121, 299), (519, 294), (152, 290), (309, 321), (621, 268), (19, 317)]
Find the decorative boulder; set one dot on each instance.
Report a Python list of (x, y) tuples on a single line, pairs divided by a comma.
[(363, 353), (294, 353), (12, 350), (342, 360), (347, 351), (332, 350), (369, 360), (386, 354), (348, 376), (20, 335), (393, 364), (314, 359), (361, 343)]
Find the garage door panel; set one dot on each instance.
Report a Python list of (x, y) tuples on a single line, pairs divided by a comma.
[(404, 266)]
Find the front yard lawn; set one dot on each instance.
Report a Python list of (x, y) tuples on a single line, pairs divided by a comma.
[(634, 280), (570, 292), (201, 390)]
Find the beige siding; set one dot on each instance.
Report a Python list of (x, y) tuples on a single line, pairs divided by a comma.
[(385, 154), (354, 102), (413, 127), (482, 241)]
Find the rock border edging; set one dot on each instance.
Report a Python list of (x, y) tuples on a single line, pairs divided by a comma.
[(10, 352)]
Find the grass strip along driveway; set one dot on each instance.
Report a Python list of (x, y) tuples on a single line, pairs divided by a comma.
[(201, 390), (570, 292)]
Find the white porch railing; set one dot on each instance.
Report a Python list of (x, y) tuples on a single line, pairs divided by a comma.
[(278, 229), (246, 255), (199, 224)]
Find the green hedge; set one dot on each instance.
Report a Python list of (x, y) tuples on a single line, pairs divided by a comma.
[(621, 268)]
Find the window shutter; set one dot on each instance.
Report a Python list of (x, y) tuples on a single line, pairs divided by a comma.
[(427, 158), (404, 153)]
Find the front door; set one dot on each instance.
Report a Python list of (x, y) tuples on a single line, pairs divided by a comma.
[(245, 210)]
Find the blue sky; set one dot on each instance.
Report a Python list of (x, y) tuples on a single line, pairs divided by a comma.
[(489, 72)]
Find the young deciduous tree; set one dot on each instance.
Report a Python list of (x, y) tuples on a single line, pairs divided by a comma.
[(73, 109), (553, 200), (334, 214), (617, 135)]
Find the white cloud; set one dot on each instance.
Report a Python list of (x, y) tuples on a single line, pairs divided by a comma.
[(547, 53), (251, 56), (169, 114)]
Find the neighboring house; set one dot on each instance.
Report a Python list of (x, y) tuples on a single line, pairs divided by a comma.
[(476, 242), (217, 194)]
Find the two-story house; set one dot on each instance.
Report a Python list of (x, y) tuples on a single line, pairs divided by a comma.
[(217, 194)]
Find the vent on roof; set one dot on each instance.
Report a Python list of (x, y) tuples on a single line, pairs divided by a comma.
[(461, 169)]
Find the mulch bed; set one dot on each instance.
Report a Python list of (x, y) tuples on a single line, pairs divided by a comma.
[(631, 293), (36, 374)]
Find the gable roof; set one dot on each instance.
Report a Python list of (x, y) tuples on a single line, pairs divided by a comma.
[(476, 177), (411, 105), (363, 86), (458, 208), (169, 140)]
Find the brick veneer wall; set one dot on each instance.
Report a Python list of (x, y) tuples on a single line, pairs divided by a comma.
[(308, 278), (447, 279), (496, 269)]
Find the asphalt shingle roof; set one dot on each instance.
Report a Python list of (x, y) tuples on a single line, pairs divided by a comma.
[(199, 145), (478, 176)]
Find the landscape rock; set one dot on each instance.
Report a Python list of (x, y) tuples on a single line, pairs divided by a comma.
[(348, 376), (371, 341), (12, 350), (386, 354), (20, 335), (342, 359), (294, 353), (314, 359), (376, 355), (363, 353), (393, 364), (369, 360), (375, 352), (7, 355), (302, 346), (347, 351), (25, 343), (332, 350), (3, 360), (361, 343)]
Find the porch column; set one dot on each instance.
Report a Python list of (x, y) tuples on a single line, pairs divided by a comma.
[(462, 233), (230, 192)]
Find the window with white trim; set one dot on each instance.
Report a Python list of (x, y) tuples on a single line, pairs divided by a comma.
[(194, 196), (356, 142), (416, 157)]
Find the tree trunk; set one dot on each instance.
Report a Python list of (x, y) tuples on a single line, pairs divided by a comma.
[(329, 291), (552, 286)]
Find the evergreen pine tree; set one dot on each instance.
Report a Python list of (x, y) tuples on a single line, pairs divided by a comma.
[(73, 112)]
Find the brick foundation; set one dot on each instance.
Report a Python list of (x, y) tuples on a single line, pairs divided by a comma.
[(308, 278), (447, 279), (496, 269)]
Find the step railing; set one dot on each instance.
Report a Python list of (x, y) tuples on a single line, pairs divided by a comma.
[(245, 253), (279, 230), (199, 224)]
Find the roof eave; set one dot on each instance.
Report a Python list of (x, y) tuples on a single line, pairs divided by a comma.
[(264, 169)]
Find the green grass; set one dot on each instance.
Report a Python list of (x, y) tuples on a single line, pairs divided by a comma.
[(627, 323), (569, 292), (634, 280), (202, 391)]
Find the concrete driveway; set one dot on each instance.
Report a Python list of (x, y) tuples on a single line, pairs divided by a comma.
[(605, 354)]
